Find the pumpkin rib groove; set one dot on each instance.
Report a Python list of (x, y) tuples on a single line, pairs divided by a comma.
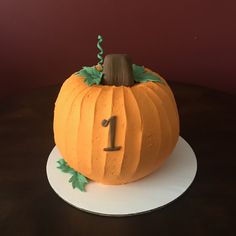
[(107, 142), (125, 136), (164, 120), (124, 130), (67, 115), (139, 118), (103, 105), (93, 166), (97, 92), (171, 95), (132, 135), (133, 89), (78, 155), (74, 82), (167, 108), (76, 120), (173, 114), (114, 159), (58, 109), (170, 115), (68, 83), (68, 126), (172, 102), (158, 114), (149, 143)]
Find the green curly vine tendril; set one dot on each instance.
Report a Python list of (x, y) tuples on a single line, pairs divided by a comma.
[(99, 55)]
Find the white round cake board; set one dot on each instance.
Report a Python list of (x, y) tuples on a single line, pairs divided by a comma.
[(152, 192)]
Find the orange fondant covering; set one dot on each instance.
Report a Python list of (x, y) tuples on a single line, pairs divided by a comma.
[(147, 128)]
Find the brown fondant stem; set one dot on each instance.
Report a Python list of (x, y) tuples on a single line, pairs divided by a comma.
[(118, 70)]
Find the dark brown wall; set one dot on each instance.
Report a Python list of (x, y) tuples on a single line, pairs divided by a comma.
[(43, 42)]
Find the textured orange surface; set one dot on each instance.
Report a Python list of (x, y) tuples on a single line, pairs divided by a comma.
[(147, 128)]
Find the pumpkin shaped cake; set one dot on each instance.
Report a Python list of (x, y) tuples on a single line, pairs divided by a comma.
[(116, 122)]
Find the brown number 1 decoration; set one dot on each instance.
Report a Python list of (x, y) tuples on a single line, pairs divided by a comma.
[(112, 131)]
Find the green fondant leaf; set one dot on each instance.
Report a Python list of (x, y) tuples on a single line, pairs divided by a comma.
[(61, 162), (77, 180), (138, 71), (91, 75), (141, 76), (64, 167)]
